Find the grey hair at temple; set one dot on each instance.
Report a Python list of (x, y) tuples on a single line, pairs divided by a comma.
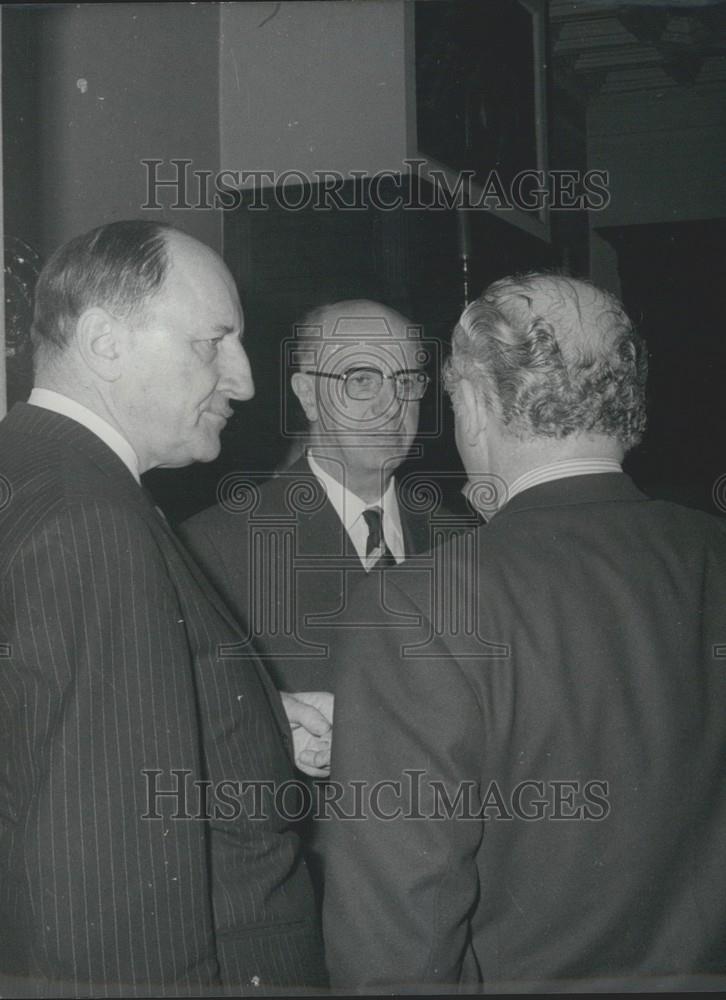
[(118, 267), (555, 356)]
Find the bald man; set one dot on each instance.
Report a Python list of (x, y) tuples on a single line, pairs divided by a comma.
[(540, 796), (121, 872), (336, 512), (287, 553)]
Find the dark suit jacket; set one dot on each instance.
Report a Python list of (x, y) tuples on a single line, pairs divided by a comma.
[(577, 703), (113, 685), (282, 558)]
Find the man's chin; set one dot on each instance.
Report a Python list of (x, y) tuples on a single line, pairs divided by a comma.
[(205, 452), (369, 452), (380, 454), (208, 453), (394, 447), (385, 441)]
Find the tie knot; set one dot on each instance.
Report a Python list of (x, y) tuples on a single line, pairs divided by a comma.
[(374, 520)]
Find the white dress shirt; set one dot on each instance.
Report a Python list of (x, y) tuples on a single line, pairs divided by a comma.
[(349, 509), (48, 399)]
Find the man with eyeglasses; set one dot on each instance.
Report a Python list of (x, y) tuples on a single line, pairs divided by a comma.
[(359, 379), (288, 557)]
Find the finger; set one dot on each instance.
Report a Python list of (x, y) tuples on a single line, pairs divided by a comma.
[(323, 701), (308, 717), (315, 758), (314, 772)]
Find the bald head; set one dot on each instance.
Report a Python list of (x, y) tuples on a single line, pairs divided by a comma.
[(556, 357), (340, 326), (344, 314)]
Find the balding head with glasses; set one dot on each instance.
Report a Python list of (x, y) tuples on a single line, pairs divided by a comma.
[(357, 370), (360, 381), (287, 550)]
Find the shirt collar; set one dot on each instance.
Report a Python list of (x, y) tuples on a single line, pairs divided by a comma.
[(349, 507), (48, 399), (560, 470)]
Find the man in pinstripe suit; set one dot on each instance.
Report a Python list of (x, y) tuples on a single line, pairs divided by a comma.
[(123, 708)]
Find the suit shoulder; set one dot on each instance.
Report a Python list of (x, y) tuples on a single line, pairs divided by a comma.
[(34, 466), (223, 528), (701, 520), (95, 529), (38, 485), (251, 496), (686, 528)]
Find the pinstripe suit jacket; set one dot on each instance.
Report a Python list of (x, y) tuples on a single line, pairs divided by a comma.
[(112, 688)]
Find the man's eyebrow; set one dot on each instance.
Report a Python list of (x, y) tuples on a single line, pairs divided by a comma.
[(224, 329)]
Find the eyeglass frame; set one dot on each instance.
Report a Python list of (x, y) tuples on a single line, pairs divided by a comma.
[(344, 376)]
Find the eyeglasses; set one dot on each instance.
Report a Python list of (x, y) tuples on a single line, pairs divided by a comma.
[(366, 383)]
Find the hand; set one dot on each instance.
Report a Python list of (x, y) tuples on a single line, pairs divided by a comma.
[(310, 714)]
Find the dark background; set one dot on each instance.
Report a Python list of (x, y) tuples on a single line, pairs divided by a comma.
[(671, 274)]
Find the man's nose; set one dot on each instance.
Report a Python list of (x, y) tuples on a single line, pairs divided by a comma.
[(235, 373)]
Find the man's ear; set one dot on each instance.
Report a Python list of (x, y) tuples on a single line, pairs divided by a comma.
[(98, 340), (472, 412), (304, 388)]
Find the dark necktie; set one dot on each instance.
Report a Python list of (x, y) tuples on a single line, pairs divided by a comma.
[(376, 541)]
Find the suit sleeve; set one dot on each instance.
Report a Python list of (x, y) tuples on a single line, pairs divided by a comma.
[(399, 850), (109, 891)]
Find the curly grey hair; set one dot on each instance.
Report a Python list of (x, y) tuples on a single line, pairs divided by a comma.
[(554, 356)]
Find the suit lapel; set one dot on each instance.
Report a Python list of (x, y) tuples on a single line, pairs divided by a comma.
[(159, 523), (69, 433), (416, 531), (322, 533), (122, 484)]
